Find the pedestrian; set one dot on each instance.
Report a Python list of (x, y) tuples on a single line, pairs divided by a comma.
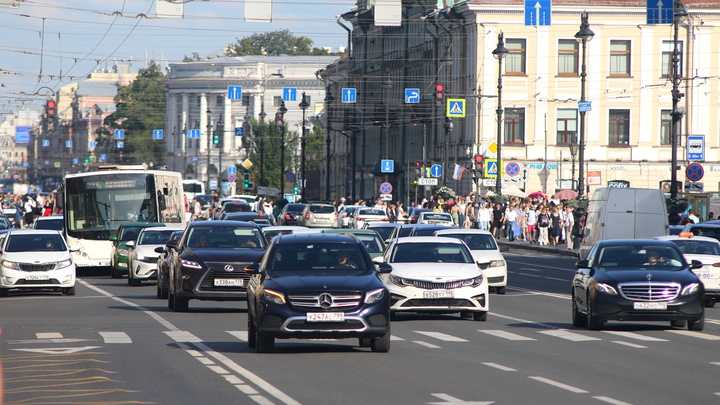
[(197, 209), (484, 216), (390, 211), (470, 218), (523, 220), (568, 223), (400, 213), (498, 219), (555, 225), (29, 211), (531, 224), (511, 216), (543, 226)]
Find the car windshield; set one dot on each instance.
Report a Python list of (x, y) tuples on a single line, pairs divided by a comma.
[(372, 242), (294, 207), (370, 212), (430, 253), (698, 247), (709, 231), (56, 224), (234, 207), (384, 231), (435, 216), (225, 237), (154, 237), (322, 209), (317, 259), (638, 257), (34, 243), (475, 241)]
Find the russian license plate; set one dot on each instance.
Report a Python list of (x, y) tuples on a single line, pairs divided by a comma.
[(439, 294), (325, 316), (37, 277), (650, 305), (228, 282)]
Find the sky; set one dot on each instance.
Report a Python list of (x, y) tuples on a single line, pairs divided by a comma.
[(81, 36)]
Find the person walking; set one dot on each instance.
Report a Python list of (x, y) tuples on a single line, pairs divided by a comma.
[(556, 226), (532, 224), (568, 223), (511, 216), (498, 218), (543, 225), (484, 216)]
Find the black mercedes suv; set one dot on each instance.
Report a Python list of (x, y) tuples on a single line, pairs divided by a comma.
[(314, 286)]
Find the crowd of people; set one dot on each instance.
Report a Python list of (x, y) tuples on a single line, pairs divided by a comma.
[(23, 209)]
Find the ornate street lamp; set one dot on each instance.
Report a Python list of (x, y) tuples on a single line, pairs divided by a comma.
[(499, 53), (583, 36), (303, 106), (282, 110), (328, 126), (573, 146), (679, 11)]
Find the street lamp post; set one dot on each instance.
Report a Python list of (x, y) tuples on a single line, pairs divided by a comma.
[(328, 126), (679, 11), (282, 110), (573, 146), (262, 116), (303, 106), (209, 128), (499, 53), (583, 36), (386, 84)]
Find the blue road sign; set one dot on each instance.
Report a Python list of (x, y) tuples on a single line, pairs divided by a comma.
[(68, 144), (158, 134), (386, 188), (349, 95), (387, 166), (234, 92), (232, 170), (290, 176), (194, 158), (289, 94), (46, 142), (584, 106), (512, 169), (456, 107), (538, 12), (194, 134), (103, 157), (93, 144), (75, 161), (694, 172), (491, 168), (436, 170), (119, 134), (660, 11), (120, 144), (239, 131), (412, 96), (695, 147)]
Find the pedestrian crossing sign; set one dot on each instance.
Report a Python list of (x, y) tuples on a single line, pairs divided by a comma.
[(456, 107), (491, 168)]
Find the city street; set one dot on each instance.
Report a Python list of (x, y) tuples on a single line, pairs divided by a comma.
[(117, 344)]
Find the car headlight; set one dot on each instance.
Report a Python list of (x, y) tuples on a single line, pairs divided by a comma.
[(63, 264), (123, 253), (374, 296), (497, 263), (473, 282), (10, 265), (400, 281), (274, 296), (191, 264), (605, 288), (690, 289), (141, 258)]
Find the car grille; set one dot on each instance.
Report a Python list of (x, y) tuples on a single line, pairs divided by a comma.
[(217, 270), (649, 291), (149, 260), (497, 279), (337, 299), (37, 282), (37, 267), (440, 303), (349, 324), (429, 285)]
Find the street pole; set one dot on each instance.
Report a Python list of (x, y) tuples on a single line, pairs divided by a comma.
[(303, 106), (583, 36), (262, 116), (499, 53), (282, 110), (208, 127), (679, 11), (328, 126)]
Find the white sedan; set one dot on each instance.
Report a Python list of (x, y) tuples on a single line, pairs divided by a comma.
[(486, 253), (363, 215), (435, 218), (142, 257), (434, 275), (707, 251)]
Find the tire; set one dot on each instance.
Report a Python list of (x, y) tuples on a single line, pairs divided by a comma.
[(500, 290), (264, 344), (365, 342), (480, 316), (697, 325), (709, 303), (158, 291), (381, 344), (251, 332), (114, 273), (69, 291), (4, 292), (180, 304), (679, 323), (592, 322), (171, 300), (578, 319)]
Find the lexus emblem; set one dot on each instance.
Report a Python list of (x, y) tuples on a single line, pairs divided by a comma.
[(229, 268), (325, 300)]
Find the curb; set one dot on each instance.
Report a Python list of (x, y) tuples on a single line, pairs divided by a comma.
[(538, 248)]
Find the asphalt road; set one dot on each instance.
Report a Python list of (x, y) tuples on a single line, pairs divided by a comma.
[(115, 344)]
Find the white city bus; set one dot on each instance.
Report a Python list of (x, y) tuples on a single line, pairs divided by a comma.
[(191, 188), (97, 203)]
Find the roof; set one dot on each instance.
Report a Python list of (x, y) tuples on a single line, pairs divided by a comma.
[(456, 231), (217, 224), (429, 239), (314, 238)]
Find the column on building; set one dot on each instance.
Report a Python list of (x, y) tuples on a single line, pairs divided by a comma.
[(184, 123), (228, 129), (203, 123), (171, 130)]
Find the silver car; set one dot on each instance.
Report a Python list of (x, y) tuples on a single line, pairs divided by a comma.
[(317, 215)]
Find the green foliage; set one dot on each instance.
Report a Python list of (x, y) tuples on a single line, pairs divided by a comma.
[(194, 58), (140, 109), (274, 44)]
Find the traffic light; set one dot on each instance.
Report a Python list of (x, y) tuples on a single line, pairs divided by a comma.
[(478, 161), (295, 190), (216, 138), (246, 180), (50, 113), (279, 122), (440, 93)]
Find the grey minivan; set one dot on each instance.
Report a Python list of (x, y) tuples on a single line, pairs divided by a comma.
[(318, 215)]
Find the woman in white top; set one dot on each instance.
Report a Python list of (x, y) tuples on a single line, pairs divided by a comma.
[(484, 215)]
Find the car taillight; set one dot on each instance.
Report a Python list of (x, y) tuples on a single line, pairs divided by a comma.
[(359, 219), (383, 219), (287, 216), (307, 215), (336, 215)]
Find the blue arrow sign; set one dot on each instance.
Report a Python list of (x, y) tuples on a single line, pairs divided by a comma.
[(349, 95), (45, 142), (239, 131), (194, 134), (158, 134), (234, 92), (232, 170), (412, 96), (289, 94), (68, 144), (538, 12), (436, 171), (387, 166), (584, 106), (75, 161), (103, 157), (120, 144), (93, 144), (119, 134), (660, 11)]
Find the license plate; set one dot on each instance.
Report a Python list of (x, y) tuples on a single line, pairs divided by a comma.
[(228, 282), (650, 305), (321, 219), (438, 294), (37, 277), (325, 316)]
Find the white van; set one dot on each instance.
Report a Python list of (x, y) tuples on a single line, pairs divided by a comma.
[(624, 213)]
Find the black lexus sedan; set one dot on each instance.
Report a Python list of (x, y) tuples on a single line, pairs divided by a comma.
[(209, 260), (315, 286), (637, 280)]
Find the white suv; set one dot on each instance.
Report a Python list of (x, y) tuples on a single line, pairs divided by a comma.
[(36, 260)]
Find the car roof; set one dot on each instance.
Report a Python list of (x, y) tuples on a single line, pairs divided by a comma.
[(634, 242), (315, 238), (250, 215), (455, 231), (213, 224), (710, 224), (364, 231), (34, 231), (163, 228), (429, 239), (678, 237), (283, 227), (382, 224)]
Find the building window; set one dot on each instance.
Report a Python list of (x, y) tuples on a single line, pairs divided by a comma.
[(515, 59), (619, 128), (619, 58), (277, 101), (220, 100), (514, 125), (245, 99), (665, 126), (566, 126), (568, 57), (667, 57)]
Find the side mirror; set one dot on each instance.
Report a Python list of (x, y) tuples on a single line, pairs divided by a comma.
[(504, 248), (378, 260), (253, 268), (112, 238), (172, 243), (582, 264), (73, 249), (159, 249), (384, 268), (130, 244), (696, 264)]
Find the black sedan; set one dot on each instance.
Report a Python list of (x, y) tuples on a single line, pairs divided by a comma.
[(637, 280), (163, 265), (290, 214), (317, 286), (209, 260)]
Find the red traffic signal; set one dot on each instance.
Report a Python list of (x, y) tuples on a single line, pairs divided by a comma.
[(439, 91), (50, 106), (478, 158)]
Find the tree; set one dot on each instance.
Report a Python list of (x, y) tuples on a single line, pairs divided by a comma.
[(140, 109), (274, 44)]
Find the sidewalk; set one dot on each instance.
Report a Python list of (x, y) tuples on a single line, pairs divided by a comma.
[(520, 244)]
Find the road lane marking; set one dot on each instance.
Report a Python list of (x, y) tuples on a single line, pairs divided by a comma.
[(59, 350), (535, 292), (240, 334), (393, 337), (505, 335), (182, 336), (441, 336), (633, 335), (499, 367), (49, 335), (567, 335), (451, 400), (115, 337), (426, 344), (633, 345), (612, 401), (559, 385), (698, 335)]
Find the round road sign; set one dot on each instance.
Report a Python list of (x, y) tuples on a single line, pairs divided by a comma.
[(512, 169), (386, 188), (694, 172)]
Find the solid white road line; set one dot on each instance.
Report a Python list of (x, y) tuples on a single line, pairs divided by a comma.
[(633, 345), (612, 401), (499, 367), (559, 385)]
